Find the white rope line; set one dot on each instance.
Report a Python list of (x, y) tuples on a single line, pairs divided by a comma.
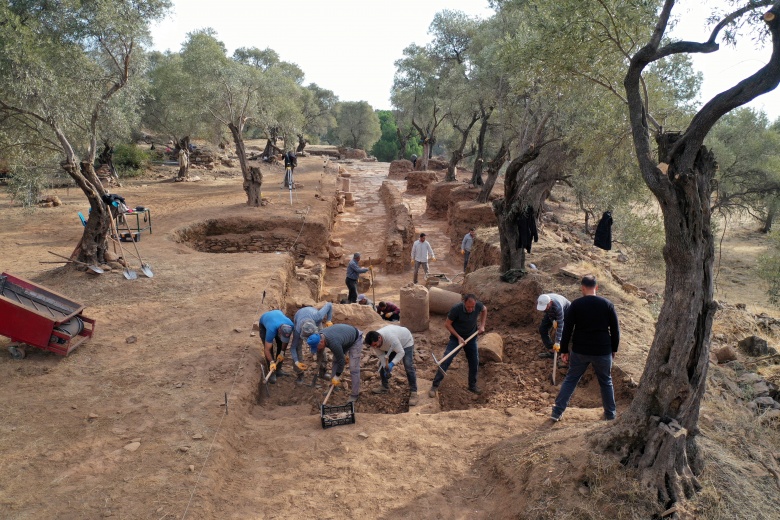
[(216, 433)]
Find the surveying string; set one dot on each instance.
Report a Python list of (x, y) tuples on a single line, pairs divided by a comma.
[(216, 433)]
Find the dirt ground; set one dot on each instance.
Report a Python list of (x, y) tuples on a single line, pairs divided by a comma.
[(160, 415)]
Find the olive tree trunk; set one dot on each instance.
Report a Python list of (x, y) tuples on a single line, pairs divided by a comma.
[(253, 180), (657, 434)]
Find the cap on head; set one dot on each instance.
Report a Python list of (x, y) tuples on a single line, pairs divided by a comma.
[(308, 327), (285, 331), (313, 342), (542, 302), (361, 297), (588, 281)]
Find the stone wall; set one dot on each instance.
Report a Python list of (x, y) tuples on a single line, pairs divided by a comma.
[(466, 214), (400, 229), (399, 169), (418, 182), (437, 198), (486, 249)]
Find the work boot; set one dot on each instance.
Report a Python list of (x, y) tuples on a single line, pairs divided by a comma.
[(299, 379), (413, 399), (352, 398), (380, 390), (432, 392), (272, 379), (547, 354), (475, 390), (279, 372)]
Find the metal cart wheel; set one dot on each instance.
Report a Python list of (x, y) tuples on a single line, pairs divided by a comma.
[(17, 351)]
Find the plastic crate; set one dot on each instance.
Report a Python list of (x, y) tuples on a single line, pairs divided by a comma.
[(337, 415)]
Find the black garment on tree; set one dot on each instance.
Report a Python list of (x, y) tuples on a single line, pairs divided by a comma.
[(526, 229), (603, 238)]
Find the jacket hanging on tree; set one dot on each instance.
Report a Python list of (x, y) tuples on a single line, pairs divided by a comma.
[(603, 238), (526, 229)]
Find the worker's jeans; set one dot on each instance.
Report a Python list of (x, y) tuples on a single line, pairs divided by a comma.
[(411, 373), (466, 256), (417, 268), (578, 363), (352, 286), (544, 331), (472, 355)]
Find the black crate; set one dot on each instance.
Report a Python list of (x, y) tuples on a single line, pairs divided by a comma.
[(345, 414)]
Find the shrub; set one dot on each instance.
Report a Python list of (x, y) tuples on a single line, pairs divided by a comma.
[(130, 160), (26, 185)]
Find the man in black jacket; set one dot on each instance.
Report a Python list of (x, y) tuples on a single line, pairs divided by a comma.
[(592, 326)]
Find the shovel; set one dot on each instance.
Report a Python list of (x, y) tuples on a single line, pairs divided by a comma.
[(373, 291), (555, 352), (93, 268), (454, 351), (145, 268), (127, 272), (262, 379)]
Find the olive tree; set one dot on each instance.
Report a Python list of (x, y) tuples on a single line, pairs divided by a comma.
[(62, 68)]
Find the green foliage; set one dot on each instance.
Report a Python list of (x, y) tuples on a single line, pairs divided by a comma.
[(642, 230), (358, 125), (130, 160), (769, 267), (26, 185), (388, 146)]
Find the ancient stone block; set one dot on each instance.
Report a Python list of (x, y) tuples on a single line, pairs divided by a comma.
[(414, 306)]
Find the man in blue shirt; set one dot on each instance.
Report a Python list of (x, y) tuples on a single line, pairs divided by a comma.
[(276, 328), (308, 321), (353, 273)]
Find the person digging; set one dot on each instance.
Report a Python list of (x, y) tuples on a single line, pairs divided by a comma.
[(389, 344), (554, 307), (464, 320), (276, 328), (308, 321), (341, 339)]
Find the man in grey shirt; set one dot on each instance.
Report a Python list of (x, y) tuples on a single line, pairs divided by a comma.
[(465, 247), (341, 339), (353, 273), (389, 344)]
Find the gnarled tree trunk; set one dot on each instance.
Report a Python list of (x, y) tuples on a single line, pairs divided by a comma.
[(301, 144), (253, 181), (479, 163)]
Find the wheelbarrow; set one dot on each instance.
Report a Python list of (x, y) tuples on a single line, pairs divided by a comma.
[(35, 316)]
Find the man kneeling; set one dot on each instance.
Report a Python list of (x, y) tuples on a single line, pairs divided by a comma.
[(389, 344)]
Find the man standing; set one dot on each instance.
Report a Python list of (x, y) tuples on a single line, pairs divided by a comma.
[(277, 328), (554, 307), (341, 339), (465, 247), (353, 273), (389, 344), (463, 320), (592, 326), (421, 251), (308, 321), (389, 311)]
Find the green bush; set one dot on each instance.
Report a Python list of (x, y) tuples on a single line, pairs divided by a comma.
[(769, 268), (26, 185), (130, 160)]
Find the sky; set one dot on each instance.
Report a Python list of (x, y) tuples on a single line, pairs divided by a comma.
[(350, 46)]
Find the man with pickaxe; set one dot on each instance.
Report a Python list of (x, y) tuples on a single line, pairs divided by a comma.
[(308, 321), (277, 328), (554, 307), (465, 320), (389, 344), (341, 339)]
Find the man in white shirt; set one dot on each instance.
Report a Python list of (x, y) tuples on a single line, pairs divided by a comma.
[(389, 344), (465, 247), (421, 251)]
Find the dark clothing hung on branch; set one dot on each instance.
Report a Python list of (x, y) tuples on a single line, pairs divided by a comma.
[(526, 229), (603, 238)]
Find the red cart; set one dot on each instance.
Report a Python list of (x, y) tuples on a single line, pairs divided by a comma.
[(33, 315)]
